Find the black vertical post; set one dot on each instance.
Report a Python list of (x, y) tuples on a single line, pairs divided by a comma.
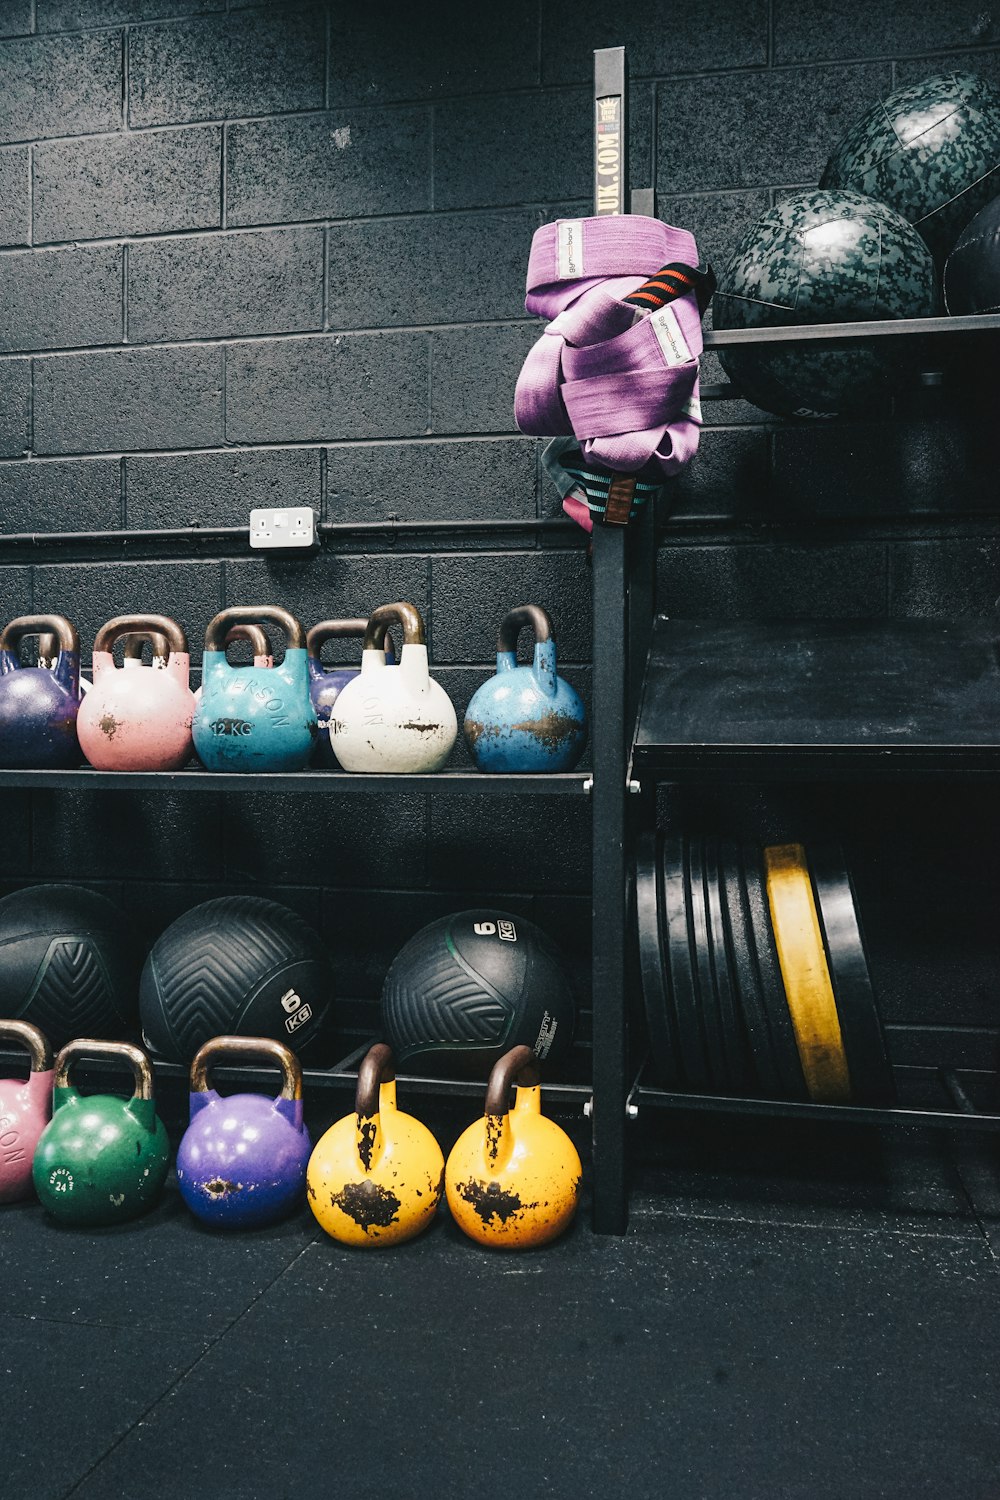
[(611, 654)]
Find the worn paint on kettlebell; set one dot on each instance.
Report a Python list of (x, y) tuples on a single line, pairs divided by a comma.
[(526, 718)]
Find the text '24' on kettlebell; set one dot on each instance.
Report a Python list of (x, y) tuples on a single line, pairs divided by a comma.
[(326, 683), (393, 719), (513, 1178), (101, 1159), (138, 718), (39, 705), (375, 1177), (242, 1160), (25, 1110), (254, 718), (526, 718)]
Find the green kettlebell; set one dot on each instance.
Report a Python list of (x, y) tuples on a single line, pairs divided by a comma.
[(101, 1159)]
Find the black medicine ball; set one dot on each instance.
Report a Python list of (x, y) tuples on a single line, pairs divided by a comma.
[(237, 966), (67, 963), (471, 986)]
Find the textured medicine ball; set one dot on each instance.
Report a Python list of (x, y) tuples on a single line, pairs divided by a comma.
[(235, 966), (972, 270), (931, 150), (469, 987), (67, 963), (822, 257)]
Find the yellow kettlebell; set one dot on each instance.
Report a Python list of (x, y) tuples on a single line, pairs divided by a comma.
[(513, 1178), (376, 1177)]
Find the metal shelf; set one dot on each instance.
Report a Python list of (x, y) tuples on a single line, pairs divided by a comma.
[(848, 333), (198, 780), (818, 699)]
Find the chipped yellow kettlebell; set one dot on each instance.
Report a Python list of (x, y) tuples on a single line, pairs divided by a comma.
[(376, 1177), (513, 1178)]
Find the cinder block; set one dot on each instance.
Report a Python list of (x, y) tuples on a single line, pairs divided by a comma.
[(224, 285), (15, 407), (715, 219), (946, 577), (292, 838), (983, 60), (516, 148), (728, 478), (727, 34), (330, 587), (757, 128), (15, 18), (129, 399), (432, 481), (338, 166), (74, 15), (217, 68), (839, 580), (58, 299), (460, 268), (61, 495), (473, 375), (303, 390), (91, 593), (60, 86), (534, 843), (15, 207), (128, 184), (471, 594), (125, 835), (429, 52), (820, 33), (218, 489)]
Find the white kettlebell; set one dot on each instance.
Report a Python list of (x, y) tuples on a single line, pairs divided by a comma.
[(393, 719)]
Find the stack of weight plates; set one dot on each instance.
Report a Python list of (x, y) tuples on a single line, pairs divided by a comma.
[(754, 973)]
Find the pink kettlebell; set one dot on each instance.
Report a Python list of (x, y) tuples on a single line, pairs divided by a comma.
[(25, 1110), (138, 718)]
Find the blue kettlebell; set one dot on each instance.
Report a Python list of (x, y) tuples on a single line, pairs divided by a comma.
[(39, 705), (326, 683), (254, 718), (242, 1160), (526, 718)]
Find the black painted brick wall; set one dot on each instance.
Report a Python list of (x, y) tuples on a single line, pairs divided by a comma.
[(274, 253)]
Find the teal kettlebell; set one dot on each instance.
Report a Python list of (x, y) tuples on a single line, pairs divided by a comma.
[(255, 718), (526, 718)]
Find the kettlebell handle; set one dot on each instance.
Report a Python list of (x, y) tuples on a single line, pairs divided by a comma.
[(377, 1067), (253, 614), (136, 639), (407, 616), (259, 643), (519, 1065), (339, 630), (147, 626), (44, 626), (142, 1068), (247, 1047), (524, 617), (35, 1041)]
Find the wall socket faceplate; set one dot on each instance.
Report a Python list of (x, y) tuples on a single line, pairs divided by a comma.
[(291, 526)]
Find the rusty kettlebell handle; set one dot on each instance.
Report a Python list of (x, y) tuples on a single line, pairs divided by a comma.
[(253, 614), (136, 639), (46, 627), (378, 1066), (142, 1068), (340, 630), (248, 1047), (147, 626), (407, 616), (520, 1066), (524, 617), (34, 1041), (259, 643)]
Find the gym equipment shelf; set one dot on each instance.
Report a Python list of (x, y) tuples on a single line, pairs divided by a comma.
[(198, 780), (819, 698)]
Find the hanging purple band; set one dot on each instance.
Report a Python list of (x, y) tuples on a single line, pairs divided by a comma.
[(621, 379)]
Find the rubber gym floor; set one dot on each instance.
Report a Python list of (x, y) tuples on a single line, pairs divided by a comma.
[(792, 1313)]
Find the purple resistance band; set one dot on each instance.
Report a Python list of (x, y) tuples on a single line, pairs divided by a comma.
[(620, 376)]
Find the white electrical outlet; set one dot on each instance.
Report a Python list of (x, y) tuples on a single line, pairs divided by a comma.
[(294, 526)]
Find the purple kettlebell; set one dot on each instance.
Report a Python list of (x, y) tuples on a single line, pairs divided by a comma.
[(242, 1161), (39, 705), (326, 683)]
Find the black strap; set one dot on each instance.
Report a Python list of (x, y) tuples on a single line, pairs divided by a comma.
[(675, 280)]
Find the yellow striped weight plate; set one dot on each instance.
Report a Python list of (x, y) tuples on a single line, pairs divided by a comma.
[(805, 974)]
